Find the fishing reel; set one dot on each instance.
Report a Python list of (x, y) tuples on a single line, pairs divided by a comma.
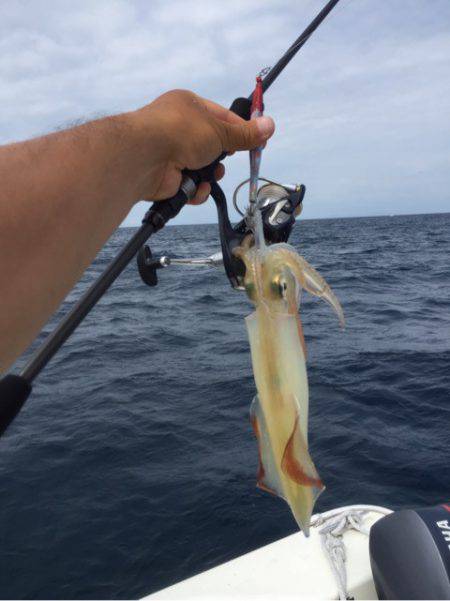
[(279, 204)]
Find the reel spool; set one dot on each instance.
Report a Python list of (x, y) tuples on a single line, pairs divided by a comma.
[(279, 204)]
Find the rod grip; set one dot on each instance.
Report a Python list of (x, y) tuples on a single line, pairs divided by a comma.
[(14, 391), (161, 212)]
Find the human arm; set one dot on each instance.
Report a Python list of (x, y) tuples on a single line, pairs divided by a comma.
[(62, 196)]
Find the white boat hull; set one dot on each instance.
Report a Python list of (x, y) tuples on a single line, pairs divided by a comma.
[(293, 566)]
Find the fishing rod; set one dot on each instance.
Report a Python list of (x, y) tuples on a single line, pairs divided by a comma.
[(279, 205)]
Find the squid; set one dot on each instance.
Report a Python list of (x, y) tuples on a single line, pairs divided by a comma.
[(274, 278)]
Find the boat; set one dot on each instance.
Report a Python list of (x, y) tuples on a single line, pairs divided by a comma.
[(331, 562), (353, 552)]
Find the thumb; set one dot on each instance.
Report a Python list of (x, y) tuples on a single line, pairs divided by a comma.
[(247, 134)]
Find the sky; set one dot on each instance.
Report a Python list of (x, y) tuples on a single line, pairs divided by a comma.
[(362, 112)]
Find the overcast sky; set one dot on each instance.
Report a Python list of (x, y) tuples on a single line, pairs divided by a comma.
[(362, 113)]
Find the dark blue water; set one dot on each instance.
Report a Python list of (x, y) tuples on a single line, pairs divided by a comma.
[(133, 465)]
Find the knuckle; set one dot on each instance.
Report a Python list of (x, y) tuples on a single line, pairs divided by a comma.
[(243, 138), (181, 93), (247, 136)]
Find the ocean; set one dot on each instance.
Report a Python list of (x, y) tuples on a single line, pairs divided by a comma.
[(133, 464)]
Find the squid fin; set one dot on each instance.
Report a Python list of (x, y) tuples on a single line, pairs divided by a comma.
[(267, 476), (306, 485), (297, 464)]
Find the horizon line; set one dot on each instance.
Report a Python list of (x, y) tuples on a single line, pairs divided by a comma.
[(314, 218)]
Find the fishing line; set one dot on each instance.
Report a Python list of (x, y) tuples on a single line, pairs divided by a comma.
[(236, 192)]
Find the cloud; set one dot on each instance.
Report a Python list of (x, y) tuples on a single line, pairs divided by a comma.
[(362, 113)]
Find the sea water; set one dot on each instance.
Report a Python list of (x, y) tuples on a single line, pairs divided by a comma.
[(133, 464)]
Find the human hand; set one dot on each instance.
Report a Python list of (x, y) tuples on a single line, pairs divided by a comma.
[(189, 132)]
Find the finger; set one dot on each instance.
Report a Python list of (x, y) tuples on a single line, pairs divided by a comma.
[(203, 191), (219, 172), (246, 135)]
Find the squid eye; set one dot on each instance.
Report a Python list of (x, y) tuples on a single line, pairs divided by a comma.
[(282, 287), (279, 287)]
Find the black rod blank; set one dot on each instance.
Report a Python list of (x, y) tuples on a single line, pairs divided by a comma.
[(70, 322), (57, 338), (295, 47)]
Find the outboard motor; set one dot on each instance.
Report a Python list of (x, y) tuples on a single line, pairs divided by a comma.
[(410, 554)]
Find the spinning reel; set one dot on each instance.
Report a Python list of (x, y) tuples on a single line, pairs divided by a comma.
[(279, 205)]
